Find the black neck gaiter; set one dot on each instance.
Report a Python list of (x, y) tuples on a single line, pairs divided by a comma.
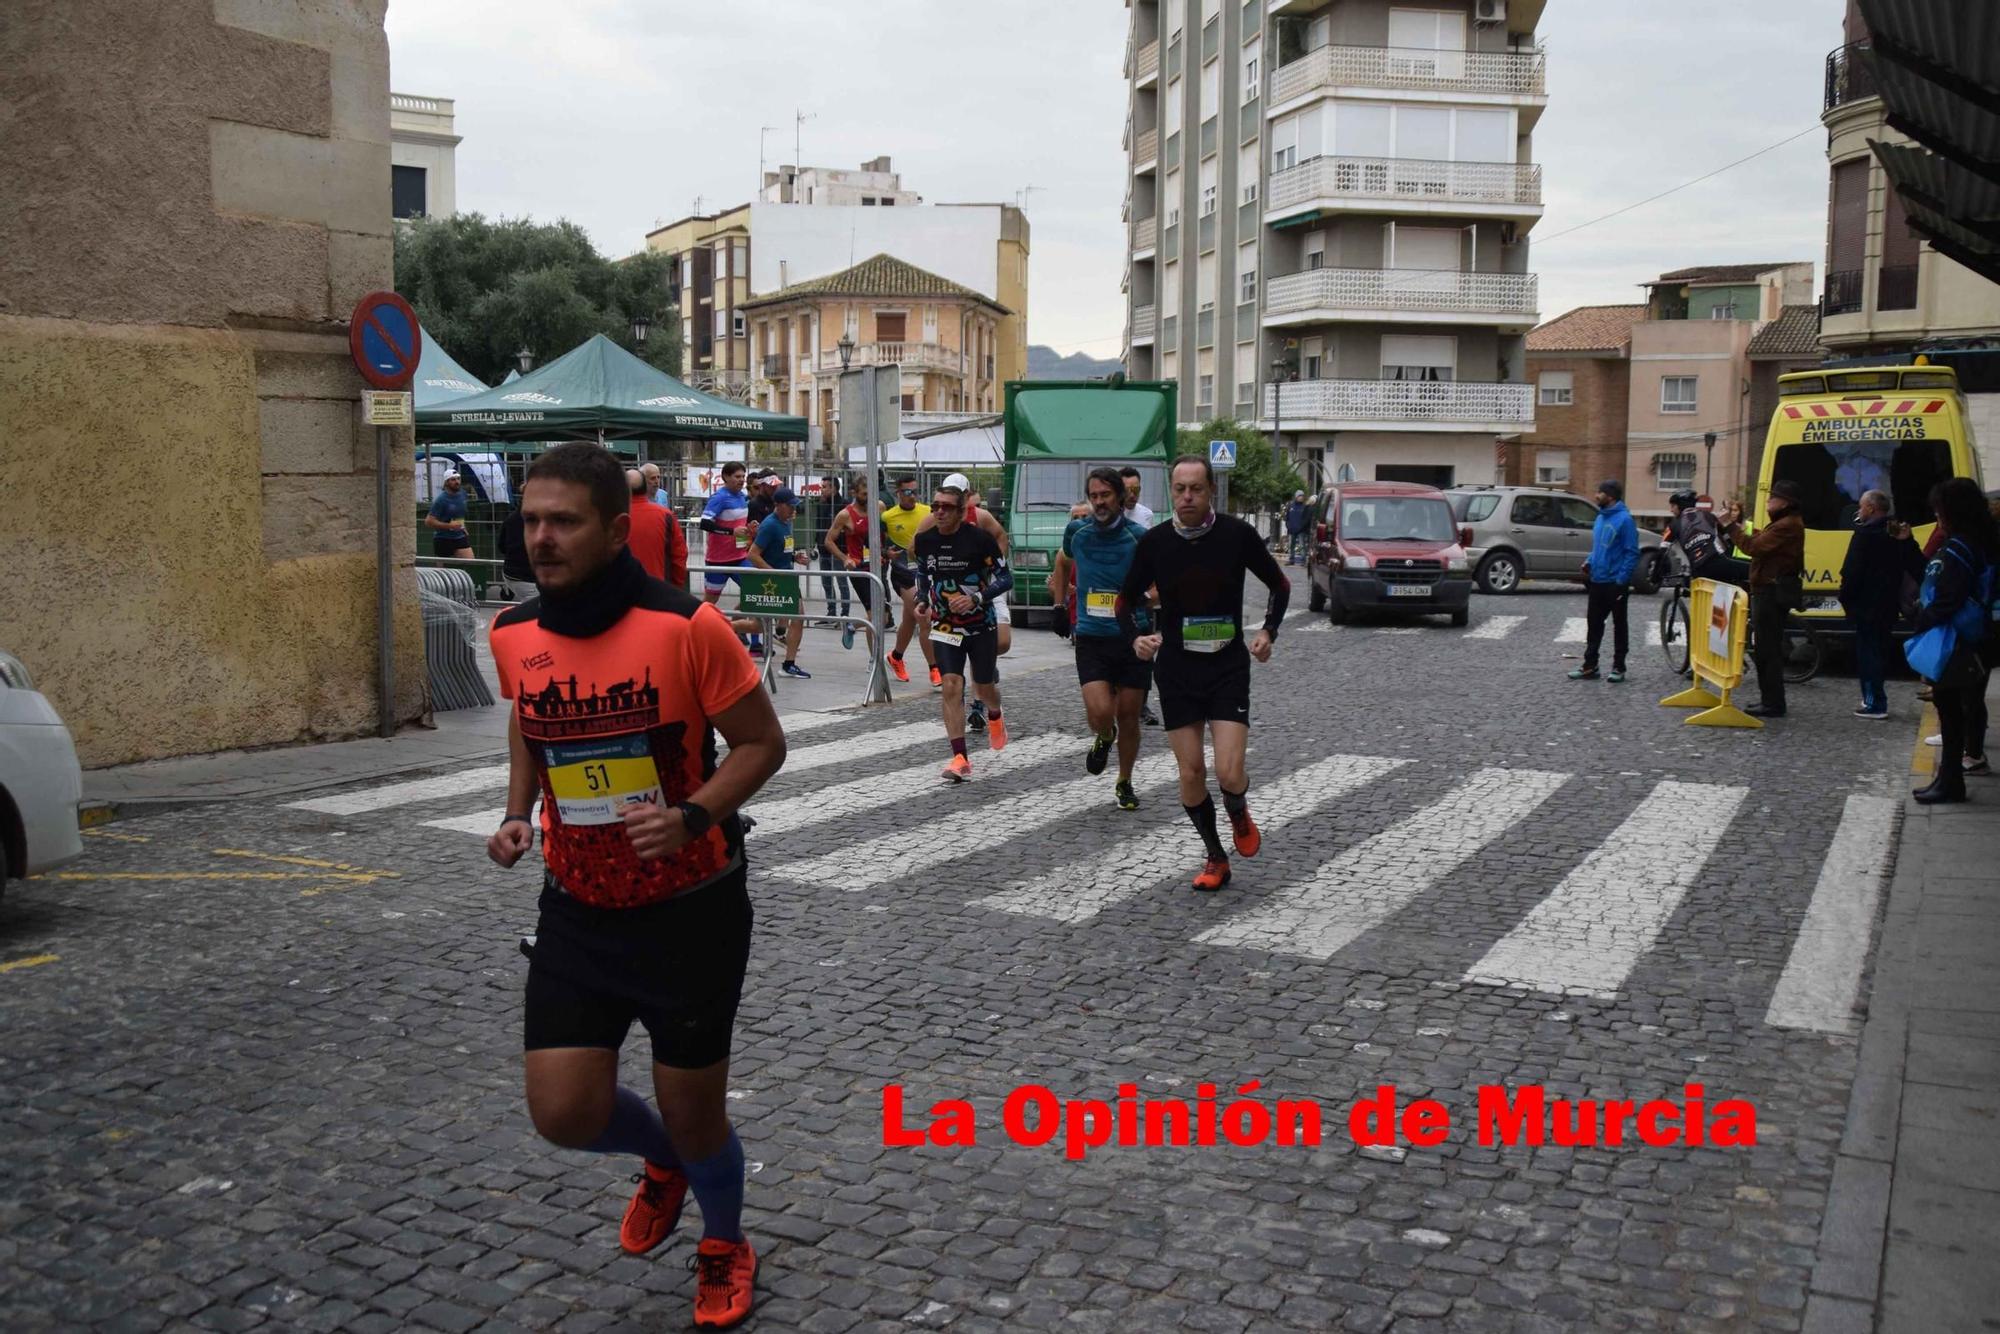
[(596, 606)]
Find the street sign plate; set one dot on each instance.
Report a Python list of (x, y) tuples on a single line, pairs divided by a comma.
[(385, 339), (731, 451), (885, 383), (388, 407), (1221, 454)]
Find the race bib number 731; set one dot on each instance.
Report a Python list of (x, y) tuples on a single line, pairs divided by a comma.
[(592, 781)]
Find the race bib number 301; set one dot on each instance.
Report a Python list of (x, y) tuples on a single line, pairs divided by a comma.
[(1101, 604), (592, 781)]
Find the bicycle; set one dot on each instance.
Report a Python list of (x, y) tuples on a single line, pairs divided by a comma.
[(1803, 651)]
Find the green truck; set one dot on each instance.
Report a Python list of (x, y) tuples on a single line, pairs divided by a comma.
[(1056, 431)]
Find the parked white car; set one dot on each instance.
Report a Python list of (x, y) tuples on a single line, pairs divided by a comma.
[(41, 783)]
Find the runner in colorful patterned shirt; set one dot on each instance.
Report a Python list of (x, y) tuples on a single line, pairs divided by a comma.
[(960, 573)]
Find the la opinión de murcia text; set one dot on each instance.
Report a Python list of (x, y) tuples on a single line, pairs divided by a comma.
[(1034, 1116)]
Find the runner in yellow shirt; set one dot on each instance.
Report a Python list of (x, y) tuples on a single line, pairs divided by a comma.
[(899, 531)]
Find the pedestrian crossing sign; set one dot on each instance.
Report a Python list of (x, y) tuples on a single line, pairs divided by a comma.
[(1222, 453)]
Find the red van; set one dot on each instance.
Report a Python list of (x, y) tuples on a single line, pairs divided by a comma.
[(1389, 547)]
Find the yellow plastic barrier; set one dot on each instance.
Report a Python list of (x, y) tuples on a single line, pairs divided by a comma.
[(1715, 610)]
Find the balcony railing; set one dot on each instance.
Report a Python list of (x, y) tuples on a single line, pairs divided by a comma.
[(1416, 290), (1149, 61), (1146, 234), (1850, 75), (910, 356), (1405, 178), (1403, 401), (1843, 292), (1896, 287), (1145, 322), (1505, 73), (1147, 147)]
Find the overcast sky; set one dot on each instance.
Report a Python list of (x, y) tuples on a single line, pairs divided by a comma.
[(618, 114)]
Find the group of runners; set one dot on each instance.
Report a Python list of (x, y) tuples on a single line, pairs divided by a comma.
[(645, 911)]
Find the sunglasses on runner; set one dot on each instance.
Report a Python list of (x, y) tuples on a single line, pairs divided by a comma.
[(946, 507)]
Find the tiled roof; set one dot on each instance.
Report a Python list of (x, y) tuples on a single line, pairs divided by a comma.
[(1587, 329), (1721, 273), (1795, 333), (878, 275)]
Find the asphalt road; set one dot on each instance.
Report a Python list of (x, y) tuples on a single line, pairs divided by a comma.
[(261, 1063)]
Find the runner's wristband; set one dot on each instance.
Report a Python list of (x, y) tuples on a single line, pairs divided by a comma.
[(513, 816)]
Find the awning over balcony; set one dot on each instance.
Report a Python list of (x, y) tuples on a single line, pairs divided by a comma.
[(1937, 63)]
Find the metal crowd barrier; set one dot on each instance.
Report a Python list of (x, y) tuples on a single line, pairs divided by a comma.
[(877, 689), (451, 639)]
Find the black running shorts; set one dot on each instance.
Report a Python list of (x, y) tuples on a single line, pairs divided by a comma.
[(1219, 694), (1110, 658), (676, 967), (902, 578), (981, 650)]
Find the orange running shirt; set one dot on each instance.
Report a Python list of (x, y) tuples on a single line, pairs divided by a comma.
[(621, 717)]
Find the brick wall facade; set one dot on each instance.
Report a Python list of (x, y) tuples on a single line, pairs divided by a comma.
[(1591, 428)]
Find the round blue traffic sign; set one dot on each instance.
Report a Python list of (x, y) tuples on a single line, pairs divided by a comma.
[(385, 339)]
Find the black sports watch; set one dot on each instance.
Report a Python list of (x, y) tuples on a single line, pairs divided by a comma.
[(696, 819)]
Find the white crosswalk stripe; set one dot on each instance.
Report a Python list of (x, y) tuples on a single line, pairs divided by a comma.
[(868, 794), (1587, 935), (1081, 890), (1496, 627), (805, 760), (1376, 878), (1576, 630), (485, 777), (465, 781), (973, 827), (1823, 975)]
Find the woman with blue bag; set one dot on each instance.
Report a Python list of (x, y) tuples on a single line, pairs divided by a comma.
[(1953, 647)]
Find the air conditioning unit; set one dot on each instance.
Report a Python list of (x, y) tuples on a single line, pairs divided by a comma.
[(1489, 11)]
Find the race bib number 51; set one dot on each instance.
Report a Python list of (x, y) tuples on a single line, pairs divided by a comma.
[(592, 781)]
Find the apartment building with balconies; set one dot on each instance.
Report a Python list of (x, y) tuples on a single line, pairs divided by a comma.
[(944, 335), (711, 257), (1337, 248), (1887, 290)]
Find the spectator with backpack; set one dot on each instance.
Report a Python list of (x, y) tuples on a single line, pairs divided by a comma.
[(1954, 641)]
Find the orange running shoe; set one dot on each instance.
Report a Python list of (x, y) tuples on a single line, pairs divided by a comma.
[(996, 734), (959, 770), (896, 666), (1248, 839), (655, 1208), (1214, 874), (937, 679), (725, 1273)]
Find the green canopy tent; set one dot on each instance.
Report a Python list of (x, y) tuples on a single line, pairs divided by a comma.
[(439, 379), (599, 391)]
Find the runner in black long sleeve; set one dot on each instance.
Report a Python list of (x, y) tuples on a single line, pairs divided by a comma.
[(1198, 561)]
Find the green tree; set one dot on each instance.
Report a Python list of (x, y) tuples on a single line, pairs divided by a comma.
[(485, 289), (1261, 481)]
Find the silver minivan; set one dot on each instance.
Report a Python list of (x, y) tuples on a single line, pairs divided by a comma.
[(1532, 532)]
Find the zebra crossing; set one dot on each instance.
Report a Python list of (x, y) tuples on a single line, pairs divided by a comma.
[(1574, 629), (1583, 935)]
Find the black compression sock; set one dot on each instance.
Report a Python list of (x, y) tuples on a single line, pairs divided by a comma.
[(1236, 803), (1204, 823)]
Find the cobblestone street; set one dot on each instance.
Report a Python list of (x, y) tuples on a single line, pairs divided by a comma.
[(269, 1071)]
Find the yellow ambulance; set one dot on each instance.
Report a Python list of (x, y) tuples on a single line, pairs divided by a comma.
[(1840, 432)]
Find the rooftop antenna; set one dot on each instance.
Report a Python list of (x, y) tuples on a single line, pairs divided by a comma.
[(799, 119), (1021, 195), (762, 130)]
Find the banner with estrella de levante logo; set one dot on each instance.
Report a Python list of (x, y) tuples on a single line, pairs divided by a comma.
[(763, 593)]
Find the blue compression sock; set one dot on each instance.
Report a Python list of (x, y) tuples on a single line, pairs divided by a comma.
[(636, 1128), (717, 1183)]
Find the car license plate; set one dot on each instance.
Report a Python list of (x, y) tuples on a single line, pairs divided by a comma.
[(1409, 590)]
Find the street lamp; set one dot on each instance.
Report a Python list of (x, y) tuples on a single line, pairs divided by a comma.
[(524, 360), (1708, 477), (642, 325), (846, 346)]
